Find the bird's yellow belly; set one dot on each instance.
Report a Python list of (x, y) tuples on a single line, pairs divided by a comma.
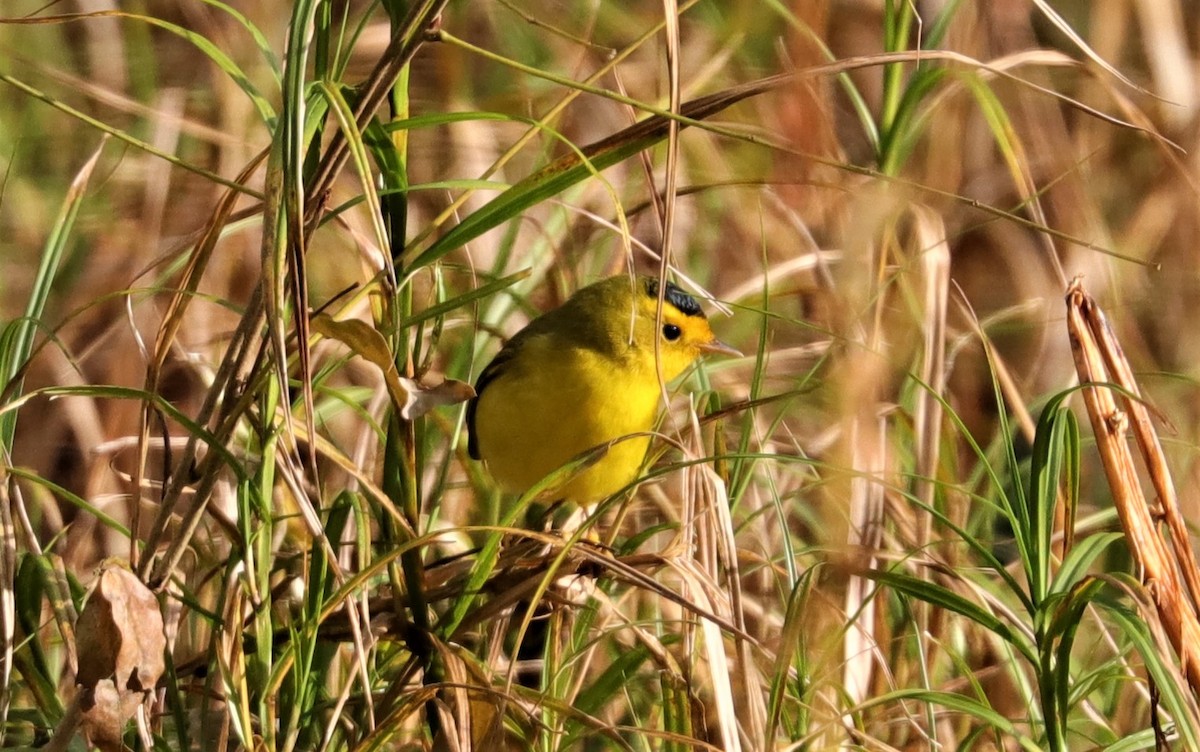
[(532, 422)]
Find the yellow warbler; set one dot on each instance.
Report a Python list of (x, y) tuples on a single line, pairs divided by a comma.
[(581, 376)]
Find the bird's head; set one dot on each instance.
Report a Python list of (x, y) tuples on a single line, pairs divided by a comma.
[(682, 335)]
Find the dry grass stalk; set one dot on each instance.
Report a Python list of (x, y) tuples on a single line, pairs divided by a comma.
[(860, 647), (1168, 565), (935, 279)]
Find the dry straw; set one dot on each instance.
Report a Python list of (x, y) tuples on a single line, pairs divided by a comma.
[(1114, 404)]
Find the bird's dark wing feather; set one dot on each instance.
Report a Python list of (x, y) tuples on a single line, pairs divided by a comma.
[(494, 369)]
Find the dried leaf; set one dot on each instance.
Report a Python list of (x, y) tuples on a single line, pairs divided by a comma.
[(359, 336), (410, 398), (120, 633), (423, 398), (103, 721), (120, 643)]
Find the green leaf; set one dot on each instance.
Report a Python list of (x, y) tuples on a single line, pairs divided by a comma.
[(942, 597), (16, 341), (957, 703), (1177, 699), (1080, 558), (580, 164)]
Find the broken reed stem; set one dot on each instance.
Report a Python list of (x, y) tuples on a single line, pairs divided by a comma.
[(1166, 570)]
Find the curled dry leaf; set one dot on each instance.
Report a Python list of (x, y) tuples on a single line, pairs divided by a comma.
[(108, 710), (121, 645), (411, 398), (120, 633)]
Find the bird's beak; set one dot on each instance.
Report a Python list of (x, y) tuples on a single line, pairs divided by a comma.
[(717, 347)]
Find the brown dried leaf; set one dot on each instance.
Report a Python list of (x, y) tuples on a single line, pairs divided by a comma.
[(103, 721), (120, 634), (426, 397), (358, 335), (410, 398)]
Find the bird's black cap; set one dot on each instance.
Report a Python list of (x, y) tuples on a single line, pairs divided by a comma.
[(686, 304)]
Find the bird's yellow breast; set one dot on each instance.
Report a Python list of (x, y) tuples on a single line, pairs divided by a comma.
[(557, 401)]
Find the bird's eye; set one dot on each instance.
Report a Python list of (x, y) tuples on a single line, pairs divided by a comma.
[(671, 332)]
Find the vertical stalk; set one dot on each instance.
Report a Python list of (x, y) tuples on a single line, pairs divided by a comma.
[(402, 479)]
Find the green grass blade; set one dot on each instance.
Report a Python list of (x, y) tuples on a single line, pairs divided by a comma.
[(18, 337), (942, 597)]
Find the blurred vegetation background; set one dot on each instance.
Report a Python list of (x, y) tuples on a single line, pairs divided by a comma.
[(851, 540)]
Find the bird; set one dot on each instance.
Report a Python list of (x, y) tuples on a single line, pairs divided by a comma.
[(587, 374)]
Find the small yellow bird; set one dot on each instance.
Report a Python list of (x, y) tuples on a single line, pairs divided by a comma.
[(581, 376)]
